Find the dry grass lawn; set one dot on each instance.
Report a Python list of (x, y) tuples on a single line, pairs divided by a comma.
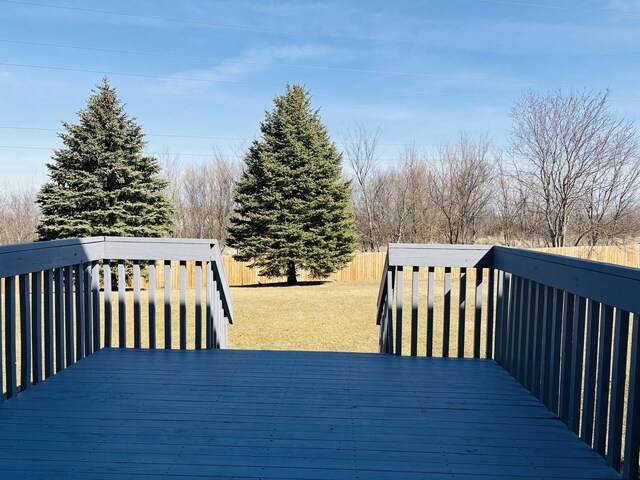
[(320, 316), (338, 317)]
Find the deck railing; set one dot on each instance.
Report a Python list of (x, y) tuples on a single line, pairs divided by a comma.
[(60, 303), (567, 329)]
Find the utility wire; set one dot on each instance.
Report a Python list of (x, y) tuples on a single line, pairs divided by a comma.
[(243, 139), (224, 155), (27, 147), (252, 84), (561, 8), (271, 85), (308, 33), (199, 137), (306, 66)]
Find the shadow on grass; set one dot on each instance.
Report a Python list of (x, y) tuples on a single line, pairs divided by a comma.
[(307, 283)]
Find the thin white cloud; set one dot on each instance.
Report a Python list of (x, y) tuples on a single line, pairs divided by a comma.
[(239, 68), (373, 113), (624, 7)]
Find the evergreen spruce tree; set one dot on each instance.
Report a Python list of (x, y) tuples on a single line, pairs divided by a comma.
[(101, 183), (293, 208)]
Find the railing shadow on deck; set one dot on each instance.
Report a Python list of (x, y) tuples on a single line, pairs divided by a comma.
[(567, 329), (57, 301)]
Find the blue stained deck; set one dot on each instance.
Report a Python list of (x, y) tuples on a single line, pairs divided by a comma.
[(278, 415)]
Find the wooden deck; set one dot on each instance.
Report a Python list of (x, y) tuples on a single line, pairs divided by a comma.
[(303, 415)]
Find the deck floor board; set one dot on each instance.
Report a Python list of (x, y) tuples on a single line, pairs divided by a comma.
[(285, 415)]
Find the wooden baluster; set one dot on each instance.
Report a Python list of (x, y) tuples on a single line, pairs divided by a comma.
[(477, 315), (576, 365), (198, 305), (151, 289), (537, 339), (68, 316), (491, 309), (399, 293), (89, 309), (122, 305), (462, 311), (500, 325), (137, 307), (521, 329), (632, 434), (93, 327), (618, 378), (554, 360), (565, 368), (209, 300), (430, 298), (80, 312), (167, 304), (108, 309), (447, 312), (529, 349), (25, 331), (59, 311), (414, 310), (183, 305), (390, 280), (10, 336), (36, 326), (49, 347), (591, 363), (602, 388), (545, 356), (514, 316)]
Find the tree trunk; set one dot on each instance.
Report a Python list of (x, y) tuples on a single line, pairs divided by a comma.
[(292, 278)]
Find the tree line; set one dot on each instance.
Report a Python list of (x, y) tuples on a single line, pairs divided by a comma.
[(569, 176)]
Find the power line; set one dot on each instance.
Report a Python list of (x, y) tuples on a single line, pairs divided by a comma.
[(310, 34), (208, 23), (245, 139), (270, 85), (561, 8), (28, 147), (200, 137), (250, 84), (213, 153), (307, 66)]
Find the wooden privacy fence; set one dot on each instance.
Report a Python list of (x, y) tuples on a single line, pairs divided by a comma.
[(368, 266), (567, 329), (364, 266)]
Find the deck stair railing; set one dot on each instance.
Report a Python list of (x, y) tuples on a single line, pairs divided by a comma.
[(59, 301), (567, 329)]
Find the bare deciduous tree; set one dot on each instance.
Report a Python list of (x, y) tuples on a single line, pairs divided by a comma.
[(360, 152), (408, 198), (460, 187), (574, 154), (516, 216), (203, 196), (19, 214), (609, 211)]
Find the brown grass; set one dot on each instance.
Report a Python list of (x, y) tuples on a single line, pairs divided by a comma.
[(325, 316), (338, 317)]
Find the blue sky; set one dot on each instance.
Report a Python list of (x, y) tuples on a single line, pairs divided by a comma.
[(199, 74)]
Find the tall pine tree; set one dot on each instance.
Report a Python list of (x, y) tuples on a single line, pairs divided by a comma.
[(101, 183), (293, 208)]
